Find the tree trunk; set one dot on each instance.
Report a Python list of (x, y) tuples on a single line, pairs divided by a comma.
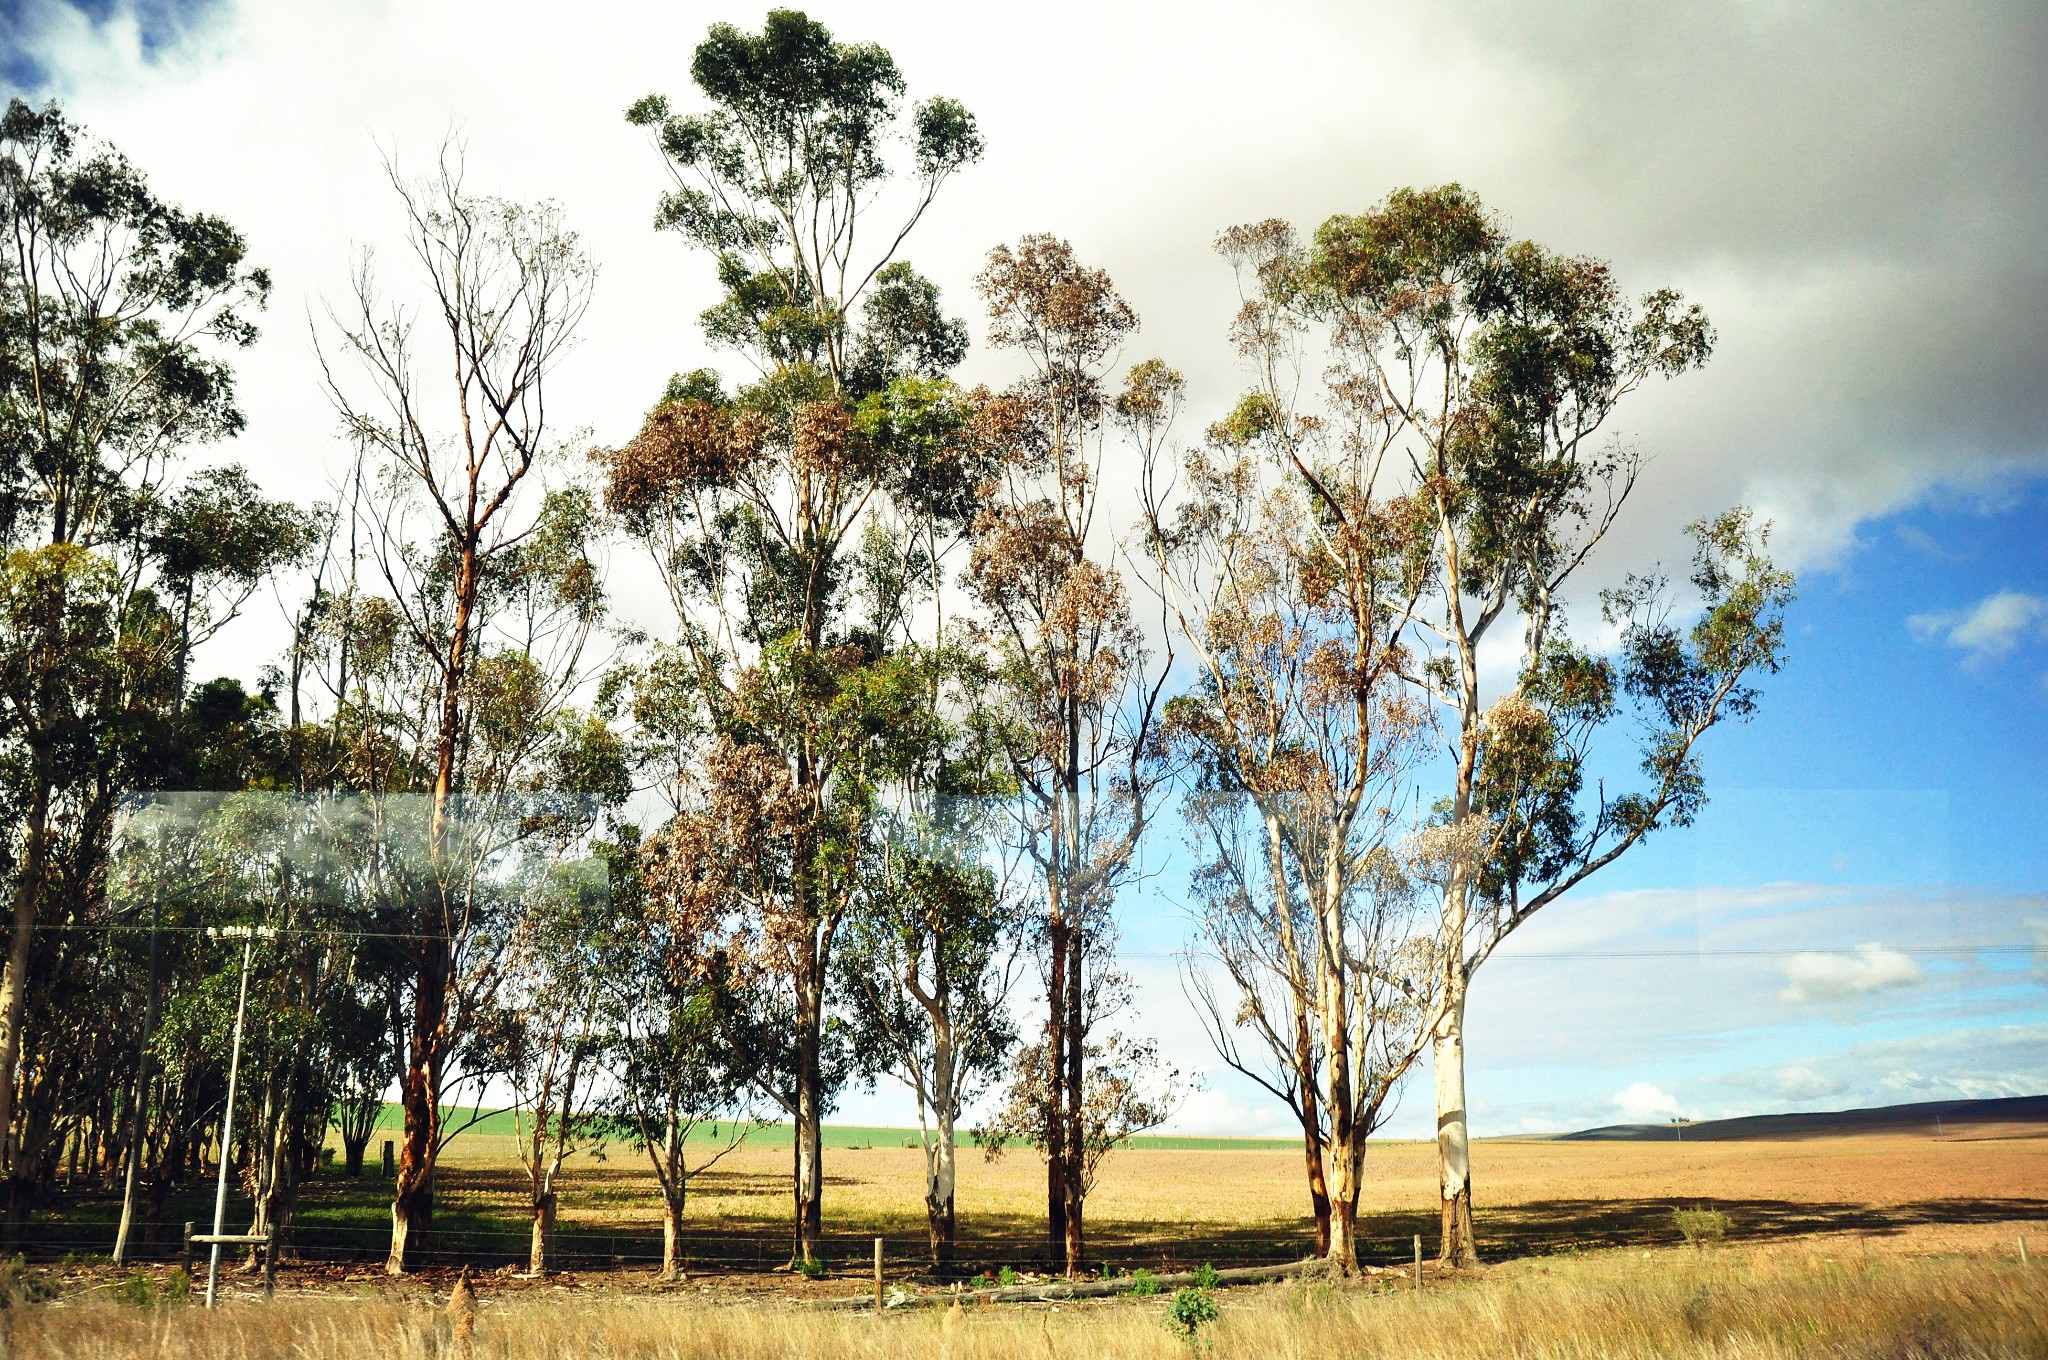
[(1076, 1128), (938, 1198), (14, 981), (1318, 1190), (412, 1198), (143, 1075), (672, 1232), (1453, 1137), (809, 1132), (543, 1233), (941, 1162), (1056, 1107)]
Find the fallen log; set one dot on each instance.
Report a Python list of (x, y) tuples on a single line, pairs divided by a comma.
[(1055, 1291)]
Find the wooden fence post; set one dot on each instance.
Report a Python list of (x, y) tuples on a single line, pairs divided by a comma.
[(186, 1261), (1418, 1263), (878, 1274)]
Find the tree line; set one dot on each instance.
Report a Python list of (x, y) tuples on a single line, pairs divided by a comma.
[(937, 660)]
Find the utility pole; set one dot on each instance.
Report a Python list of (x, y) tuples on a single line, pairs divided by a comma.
[(227, 1120)]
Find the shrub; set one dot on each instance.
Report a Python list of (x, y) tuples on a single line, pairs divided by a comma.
[(1190, 1311), (137, 1291), (1007, 1275), (21, 1284), (814, 1269), (1206, 1277), (1144, 1282), (1701, 1225), (177, 1285)]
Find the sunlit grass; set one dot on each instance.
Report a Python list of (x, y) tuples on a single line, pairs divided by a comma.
[(1840, 1300)]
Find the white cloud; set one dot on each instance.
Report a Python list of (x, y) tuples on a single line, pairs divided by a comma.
[(1988, 629), (1799, 1081), (1838, 977), (1643, 1102)]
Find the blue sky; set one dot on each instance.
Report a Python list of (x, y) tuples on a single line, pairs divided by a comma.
[(1855, 195)]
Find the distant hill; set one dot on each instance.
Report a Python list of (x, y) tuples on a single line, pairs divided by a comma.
[(2021, 1116)]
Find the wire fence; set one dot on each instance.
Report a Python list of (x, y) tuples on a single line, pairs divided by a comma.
[(748, 1250)]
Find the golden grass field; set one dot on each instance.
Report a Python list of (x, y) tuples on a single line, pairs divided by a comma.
[(1154, 1207), (1881, 1245), (1863, 1300)]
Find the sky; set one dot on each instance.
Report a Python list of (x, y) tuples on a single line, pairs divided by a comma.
[(1856, 194)]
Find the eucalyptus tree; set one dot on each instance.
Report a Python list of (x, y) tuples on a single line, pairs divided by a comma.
[(680, 1091), (1477, 374), (754, 505), (550, 1025), (117, 312), (1081, 692), (1301, 725), (926, 967), (465, 662)]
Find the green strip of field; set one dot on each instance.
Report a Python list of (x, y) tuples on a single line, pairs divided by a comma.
[(499, 1123)]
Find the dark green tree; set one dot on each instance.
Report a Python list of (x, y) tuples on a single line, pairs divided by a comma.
[(117, 312), (755, 506)]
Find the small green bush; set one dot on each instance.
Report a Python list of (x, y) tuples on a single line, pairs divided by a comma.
[(1144, 1283), (1189, 1312), (1007, 1276), (814, 1269), (1701, 1225), (19, 1283), (1206, 1276), (177, 1286), (137, 1291)]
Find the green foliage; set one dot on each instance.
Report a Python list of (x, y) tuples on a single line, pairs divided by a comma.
[(177, 1286), (1189, 1312), (813, 1268), (21, 1283), (1144, 1283), (1205, 1276), (138, 1290), (1007, 1275), (1700, 1225)]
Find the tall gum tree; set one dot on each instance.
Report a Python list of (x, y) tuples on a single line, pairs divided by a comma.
[(465, 666), (1482, 372), (1304, 738), (753, 506), (1082, 695)]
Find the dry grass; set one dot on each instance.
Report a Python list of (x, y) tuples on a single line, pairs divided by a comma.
[(1730, 1304), (1154, 1205)]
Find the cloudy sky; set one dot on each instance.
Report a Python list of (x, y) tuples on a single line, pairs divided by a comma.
[(1856, 193)]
